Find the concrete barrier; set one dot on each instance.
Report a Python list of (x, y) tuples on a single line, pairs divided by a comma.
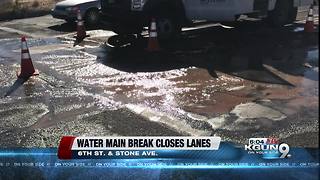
[(11, 9)]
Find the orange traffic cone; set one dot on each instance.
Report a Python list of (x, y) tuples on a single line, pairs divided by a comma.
[(309, 26), (27, 68), (81, 31), (153, 44)]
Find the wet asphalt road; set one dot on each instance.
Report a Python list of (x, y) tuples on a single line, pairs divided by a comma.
[(241, 81)]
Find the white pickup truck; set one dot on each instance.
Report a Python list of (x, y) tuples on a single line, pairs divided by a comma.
[(130, 16)]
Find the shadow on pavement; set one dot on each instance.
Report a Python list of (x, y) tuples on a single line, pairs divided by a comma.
[(19, 82), (65, 27), (72, 27), (242, 51)]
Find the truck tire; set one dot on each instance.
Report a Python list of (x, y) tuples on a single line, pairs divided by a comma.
[(167, 27), (169, 17), (293, 15), (284, 13), (92, 17)]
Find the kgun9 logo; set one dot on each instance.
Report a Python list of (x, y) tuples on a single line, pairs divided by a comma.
[(268, 147)]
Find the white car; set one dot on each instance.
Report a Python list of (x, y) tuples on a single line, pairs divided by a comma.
[(67, 10)]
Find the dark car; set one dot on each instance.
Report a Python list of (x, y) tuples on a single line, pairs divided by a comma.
[(67, 10)]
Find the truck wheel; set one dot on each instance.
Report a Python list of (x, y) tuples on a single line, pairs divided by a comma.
[(167, 28), (92, 17), (283, 13), (293, 15)]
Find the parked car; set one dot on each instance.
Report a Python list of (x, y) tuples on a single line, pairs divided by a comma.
[(67, 10)]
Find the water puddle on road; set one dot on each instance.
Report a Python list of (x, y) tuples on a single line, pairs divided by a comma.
[(81, 82), (313, 71), (313, 55), (209, 96), (298, 29)]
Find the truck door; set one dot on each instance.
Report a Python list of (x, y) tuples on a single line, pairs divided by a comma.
[(211, 10)]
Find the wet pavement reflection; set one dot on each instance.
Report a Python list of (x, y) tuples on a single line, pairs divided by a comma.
[(234, 83)]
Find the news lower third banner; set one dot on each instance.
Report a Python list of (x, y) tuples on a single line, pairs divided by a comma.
[(135, 147), (163, 153)]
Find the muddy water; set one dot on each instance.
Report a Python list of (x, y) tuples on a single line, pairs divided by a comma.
[(201, 89)]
